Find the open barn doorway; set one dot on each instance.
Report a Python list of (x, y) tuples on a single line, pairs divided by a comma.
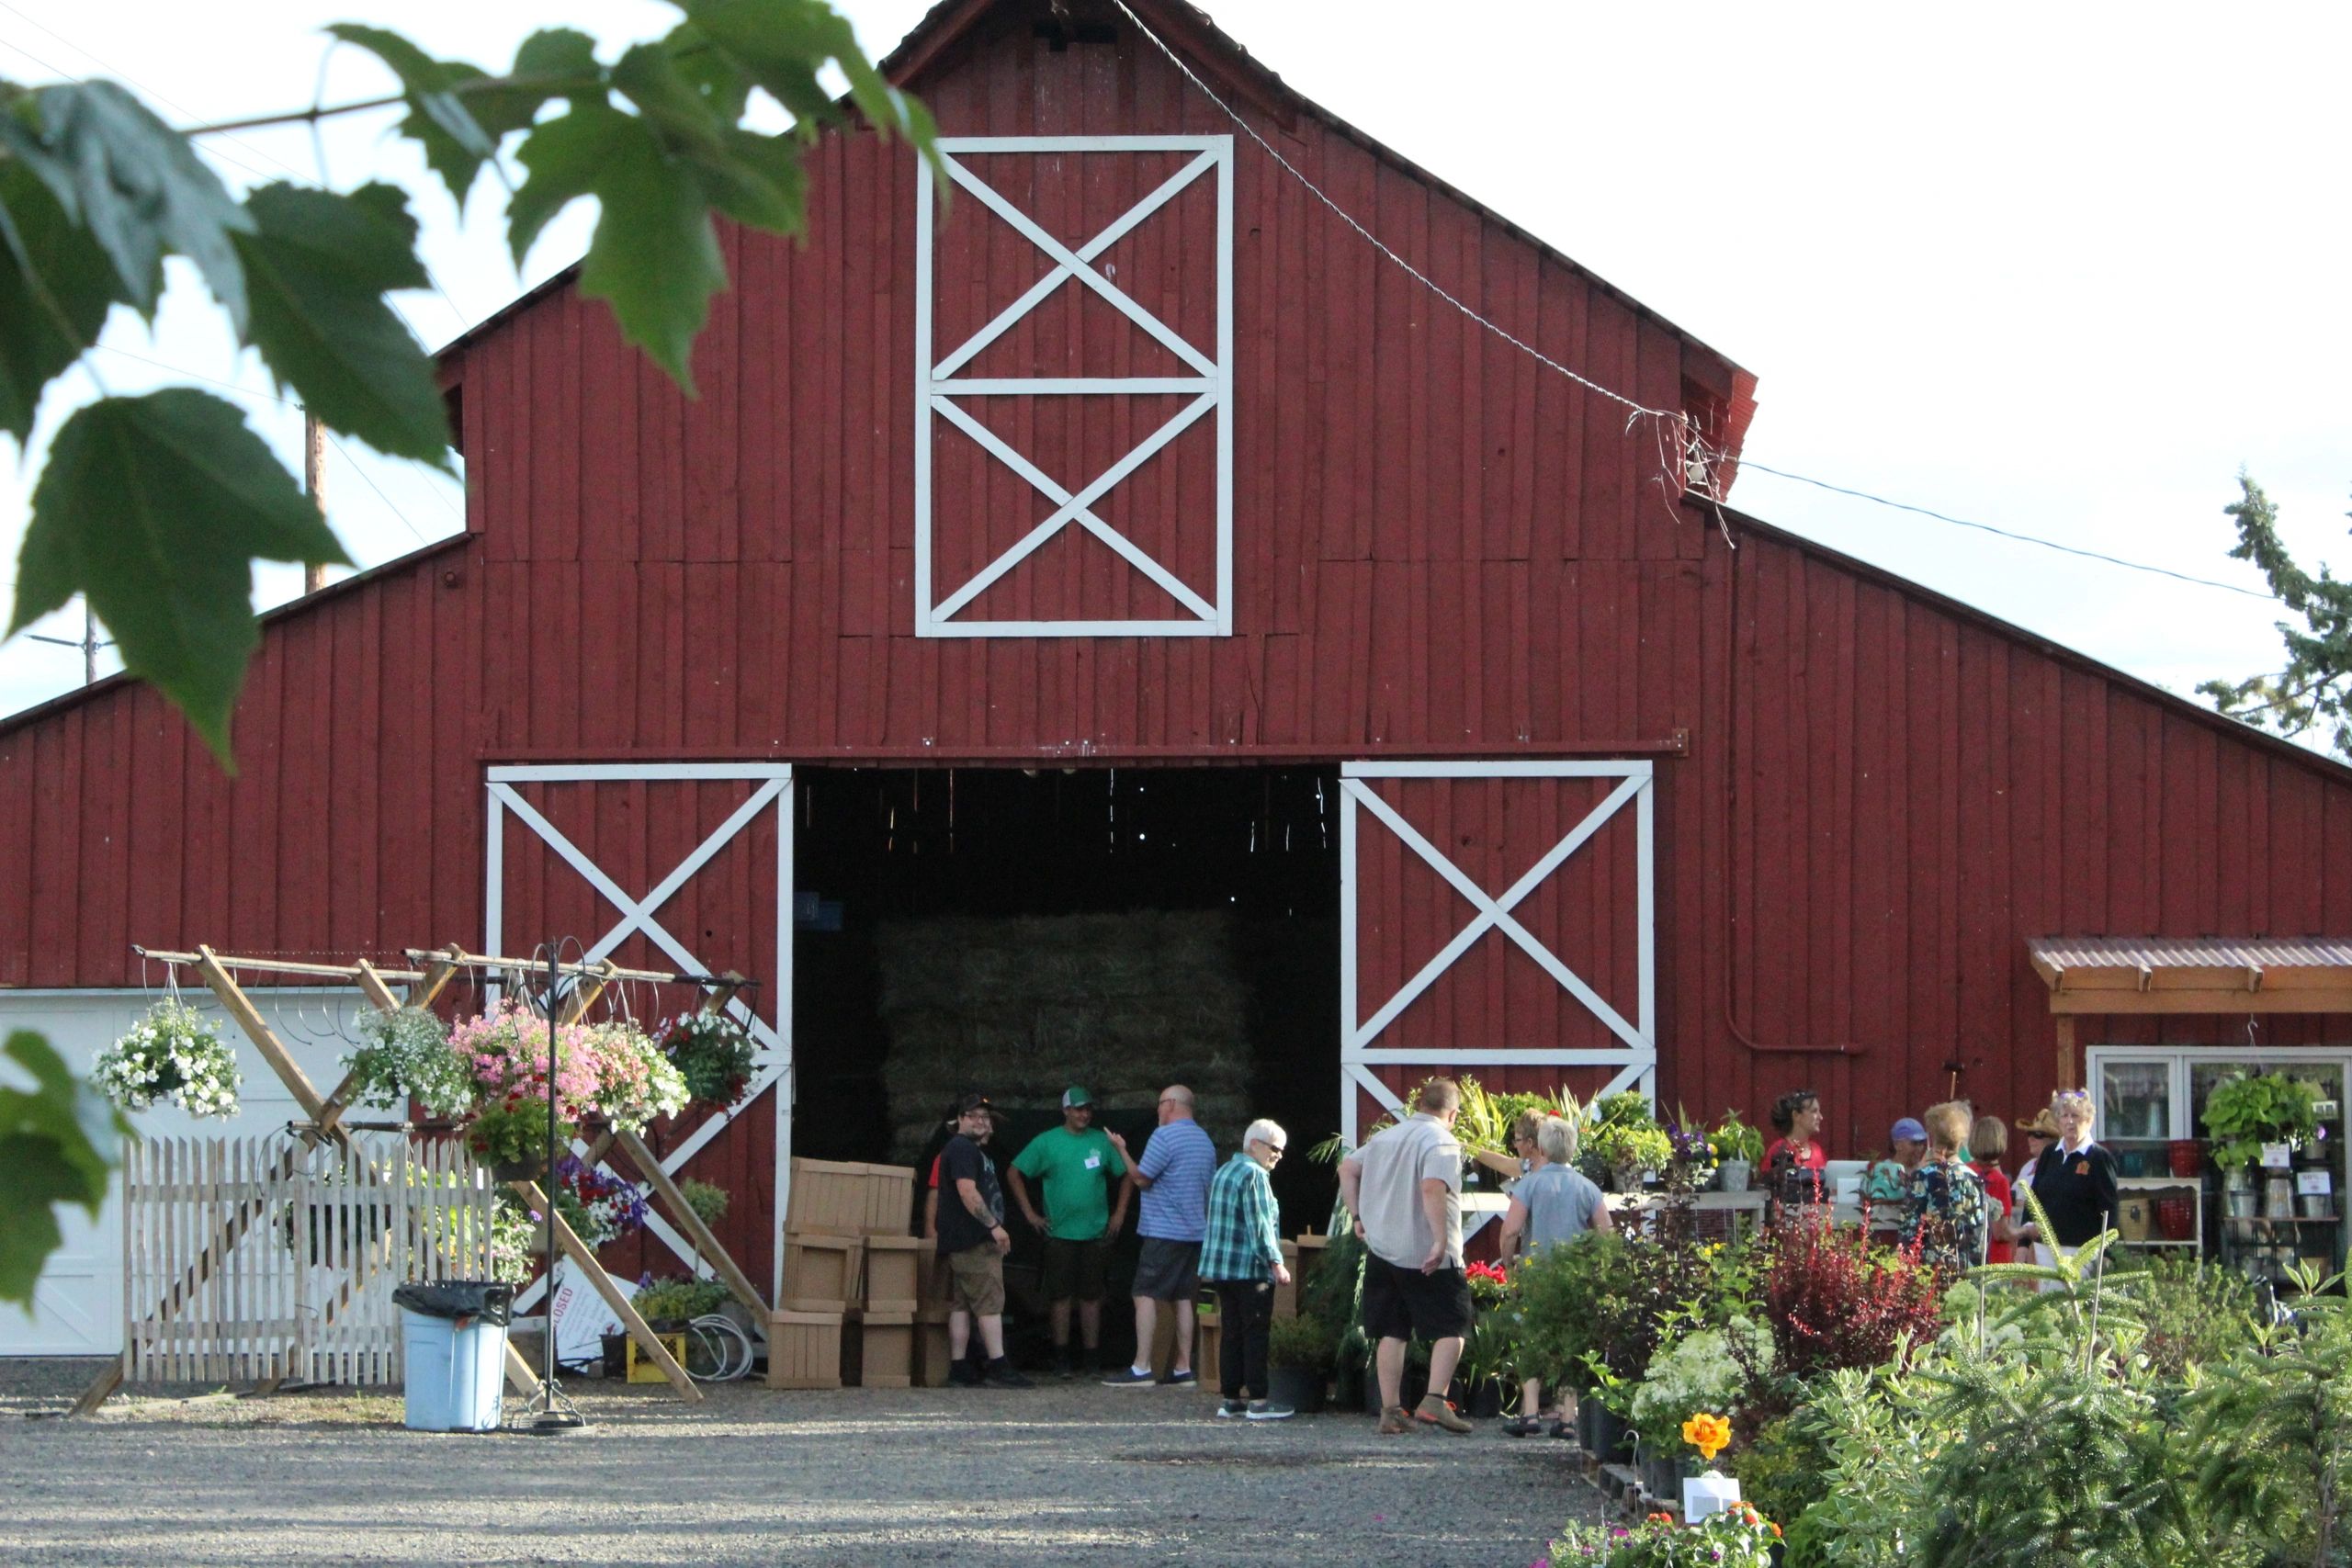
[(1019, 930)]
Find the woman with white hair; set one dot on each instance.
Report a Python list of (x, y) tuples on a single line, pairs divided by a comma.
[(1553, 1202), (2074, 1181), (1241, 1256)]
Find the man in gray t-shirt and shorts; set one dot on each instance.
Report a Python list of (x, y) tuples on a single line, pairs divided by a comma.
[(1405, 1188)]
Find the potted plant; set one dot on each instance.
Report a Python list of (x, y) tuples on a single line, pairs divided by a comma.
[(1300, 1352), (713, 1055), (509, 1138), (173, 1053), (1740, 1147), (2247, 1111), (1489, 1350), (1626, 1140), (405, 1056)]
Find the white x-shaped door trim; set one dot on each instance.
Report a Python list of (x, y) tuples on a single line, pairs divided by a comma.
[(1636, 1059), (939, 385), (773, 791)]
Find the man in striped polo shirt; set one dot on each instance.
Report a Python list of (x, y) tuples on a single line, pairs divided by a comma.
[(1173, 1175)]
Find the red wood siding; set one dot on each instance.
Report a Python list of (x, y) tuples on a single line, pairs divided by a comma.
[(1440, 550)]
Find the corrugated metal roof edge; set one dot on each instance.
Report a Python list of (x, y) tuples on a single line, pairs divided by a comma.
[(2191, 952), (2319, 762)]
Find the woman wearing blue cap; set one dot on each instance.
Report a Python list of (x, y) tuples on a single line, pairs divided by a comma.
[(1887, 1189)]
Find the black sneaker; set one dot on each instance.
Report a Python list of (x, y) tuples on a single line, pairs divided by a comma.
[(1267, 1410), (963, 1374), (1179, 1380), (1127, 1377), (1002, 1373), (1232, 1408)]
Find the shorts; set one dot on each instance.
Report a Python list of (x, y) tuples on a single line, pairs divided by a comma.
[(976, 1280), (1403, 1303), (1074, 1269), (1167, 1270)]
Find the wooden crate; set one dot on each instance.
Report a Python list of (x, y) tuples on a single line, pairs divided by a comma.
[(886, 1349), (822, 1273), (805, 1350), (890, 1199), (1286, 1296), (929, 1335), (828, 1198), (1208, 1366), (894, 1272)]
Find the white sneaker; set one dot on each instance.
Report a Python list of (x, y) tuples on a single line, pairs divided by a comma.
[(1267, 1410)]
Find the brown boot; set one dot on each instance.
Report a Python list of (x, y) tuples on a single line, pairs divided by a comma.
[(1437, 1410), (1394, 1420)]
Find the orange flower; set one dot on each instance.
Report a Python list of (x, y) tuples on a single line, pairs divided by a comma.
[(1775, 1529), (1709, 1433)]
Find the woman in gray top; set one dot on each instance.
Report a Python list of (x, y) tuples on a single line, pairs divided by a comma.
[(1553, 1202)]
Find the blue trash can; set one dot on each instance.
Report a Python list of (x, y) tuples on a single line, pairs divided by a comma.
[(453, 1337)]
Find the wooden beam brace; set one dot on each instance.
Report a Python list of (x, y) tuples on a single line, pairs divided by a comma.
[(2230, 1001), (585, 1261), (2069, 1076), (443, 968), (585, 994), (707, 1245), (249, 1018)]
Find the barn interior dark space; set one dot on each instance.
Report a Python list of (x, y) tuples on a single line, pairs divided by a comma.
[(1238, 863)]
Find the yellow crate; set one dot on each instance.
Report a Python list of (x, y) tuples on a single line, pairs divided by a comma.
[(638, 1367)]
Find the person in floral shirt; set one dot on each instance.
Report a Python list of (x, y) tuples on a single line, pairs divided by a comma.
[(1945, 1220)]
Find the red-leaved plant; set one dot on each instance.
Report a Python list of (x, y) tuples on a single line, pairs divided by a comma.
[(1832, 1302)]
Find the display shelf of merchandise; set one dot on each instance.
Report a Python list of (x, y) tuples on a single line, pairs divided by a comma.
[(2194, 1186)]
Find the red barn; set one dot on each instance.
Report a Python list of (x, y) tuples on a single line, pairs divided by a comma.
[(1126, 567)]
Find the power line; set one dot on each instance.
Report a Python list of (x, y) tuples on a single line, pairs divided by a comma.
[(463, 322), (2010, 534), (354, 465), (1634, 411)]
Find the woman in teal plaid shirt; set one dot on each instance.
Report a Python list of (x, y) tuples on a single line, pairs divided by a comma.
[(1241, 1256)]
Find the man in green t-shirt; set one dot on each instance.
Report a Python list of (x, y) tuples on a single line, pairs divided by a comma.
[(1080, 1169)]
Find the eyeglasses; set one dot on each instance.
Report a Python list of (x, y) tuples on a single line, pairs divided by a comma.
[(1273, 1149)]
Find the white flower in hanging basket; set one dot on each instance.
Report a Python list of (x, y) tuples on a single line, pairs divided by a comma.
[(173, 1053)]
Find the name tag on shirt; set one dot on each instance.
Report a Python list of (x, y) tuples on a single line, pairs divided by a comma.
[(1093, 1162)]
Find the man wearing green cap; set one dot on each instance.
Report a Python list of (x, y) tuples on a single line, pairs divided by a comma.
[(1080, 1169)]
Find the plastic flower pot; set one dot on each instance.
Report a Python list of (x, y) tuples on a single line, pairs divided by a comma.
[(1301, 1388), (1588, 1425), (1616, 1438)]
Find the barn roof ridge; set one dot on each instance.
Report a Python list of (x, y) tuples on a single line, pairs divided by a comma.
[(948, 21), (2337, 771)]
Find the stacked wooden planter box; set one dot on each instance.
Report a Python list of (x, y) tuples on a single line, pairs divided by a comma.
[(851, 1279)]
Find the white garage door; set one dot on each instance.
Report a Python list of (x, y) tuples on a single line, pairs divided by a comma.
[(77, 1306)]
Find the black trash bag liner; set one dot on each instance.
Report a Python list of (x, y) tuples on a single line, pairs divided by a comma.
[(488, 1301)]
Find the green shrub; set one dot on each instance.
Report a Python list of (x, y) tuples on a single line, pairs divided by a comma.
[(2196, 1314), (1301, 1341), (676, 1299), (707, 1201), (1782, 1470)]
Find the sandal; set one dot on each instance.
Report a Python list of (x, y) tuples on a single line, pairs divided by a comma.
[(1559, 1428), (1522, 1426)]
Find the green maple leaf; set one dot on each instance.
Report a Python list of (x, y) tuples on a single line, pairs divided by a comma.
[(155, 507)]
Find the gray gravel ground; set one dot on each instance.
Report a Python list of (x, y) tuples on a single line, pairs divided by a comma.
[(1064, 1474)]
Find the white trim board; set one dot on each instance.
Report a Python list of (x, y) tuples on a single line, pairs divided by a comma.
[(774, 794), (1636, 1059), (939, 391)]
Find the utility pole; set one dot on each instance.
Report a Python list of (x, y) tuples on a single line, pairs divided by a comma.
[(314, 485), (88, 642)]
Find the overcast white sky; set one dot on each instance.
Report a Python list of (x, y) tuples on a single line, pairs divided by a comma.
[(2064, 270)]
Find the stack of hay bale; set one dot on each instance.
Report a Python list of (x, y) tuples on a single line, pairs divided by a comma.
[(1125, 1004)]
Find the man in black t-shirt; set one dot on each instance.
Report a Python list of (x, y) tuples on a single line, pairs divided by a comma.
[(972, 1244)]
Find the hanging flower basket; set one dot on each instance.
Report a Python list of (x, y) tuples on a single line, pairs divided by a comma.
[(173, 1053), (714, 1055)]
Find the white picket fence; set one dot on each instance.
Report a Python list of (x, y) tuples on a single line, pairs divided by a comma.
[(259, 1259)]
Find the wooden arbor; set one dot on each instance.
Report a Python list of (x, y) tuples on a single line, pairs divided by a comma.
[(324, 1122), (2127, 975)]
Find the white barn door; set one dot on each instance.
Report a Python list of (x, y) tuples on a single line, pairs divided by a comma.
[(1497, 919), (646, 839)]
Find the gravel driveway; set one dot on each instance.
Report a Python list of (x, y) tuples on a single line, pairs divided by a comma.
[(1064, 1473)]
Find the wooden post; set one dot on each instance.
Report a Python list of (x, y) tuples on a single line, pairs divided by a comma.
[(721, 1263), (585, 1261), (314, 485), (2069, 1074)]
